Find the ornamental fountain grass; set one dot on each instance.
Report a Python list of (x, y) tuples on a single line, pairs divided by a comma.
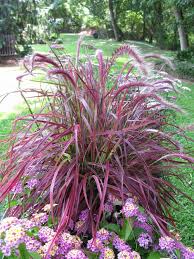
[(99, 132)]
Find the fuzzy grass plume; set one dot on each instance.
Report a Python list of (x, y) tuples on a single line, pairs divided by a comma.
[(99, 132)]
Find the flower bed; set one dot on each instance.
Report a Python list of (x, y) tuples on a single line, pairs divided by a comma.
[(99, 147), (126, 233)]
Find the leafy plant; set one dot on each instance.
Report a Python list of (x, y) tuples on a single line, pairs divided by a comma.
[(98, 132)]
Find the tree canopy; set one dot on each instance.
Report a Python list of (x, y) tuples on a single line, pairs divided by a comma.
[(167, 23)]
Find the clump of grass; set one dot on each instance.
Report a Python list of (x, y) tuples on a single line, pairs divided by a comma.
[(96, 134)]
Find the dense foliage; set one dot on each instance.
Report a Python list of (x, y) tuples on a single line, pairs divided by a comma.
[(97, 133), (18, 18), (167, 23), (163, 22)]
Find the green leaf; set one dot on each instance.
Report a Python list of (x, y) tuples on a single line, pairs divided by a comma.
[(113, 227), (14, 203), (23, 252), (154, 255), (126, 230), (35, 255)]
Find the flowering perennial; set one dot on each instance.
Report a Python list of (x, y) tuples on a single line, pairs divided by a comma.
[(37, 236)]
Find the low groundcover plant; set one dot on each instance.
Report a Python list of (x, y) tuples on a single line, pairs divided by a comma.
[(99, 133), (132, 236)]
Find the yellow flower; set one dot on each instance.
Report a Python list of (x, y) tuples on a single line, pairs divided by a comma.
[(45, 249), (108, 253), (14, 234)]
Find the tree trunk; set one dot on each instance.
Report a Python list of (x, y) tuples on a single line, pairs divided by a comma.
[(117, 34), (159, 19), (181, 30)]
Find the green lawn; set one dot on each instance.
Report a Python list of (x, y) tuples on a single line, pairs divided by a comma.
[(108, 46), (185, 210)]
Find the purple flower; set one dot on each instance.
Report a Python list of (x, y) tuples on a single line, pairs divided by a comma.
[(103, 235), (144, 226), (124, 255), (80, 226), (18, 188), (130, 209), (46, 234), (141, 217), (95, 245), (32, 183), (108, 207), (71, 224), (68, 242), (84, 215), (120, 244), (144, 240), (32, 245), (27, 224), (39, 218), (75, 254), (187, 253), (113, 199), (167, 243), (6, 250)]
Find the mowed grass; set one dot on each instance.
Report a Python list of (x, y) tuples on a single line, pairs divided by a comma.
[(108, 46), (184, 213)]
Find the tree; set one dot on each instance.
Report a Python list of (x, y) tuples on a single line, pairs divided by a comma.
[(17, 18), (117, 32), (183, 38)]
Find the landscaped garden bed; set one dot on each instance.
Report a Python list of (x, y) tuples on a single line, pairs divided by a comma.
[(99, 155)]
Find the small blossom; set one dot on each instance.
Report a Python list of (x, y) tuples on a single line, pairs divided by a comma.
[(45, 248), (144, 226), (14, 236), (6, 250), (84, 215), (113, 199), (6, 223), (108, 207), (75, 254), (135, 255), (32, 245), (130, 209), (27, 224), (68, 242), (120, 244), (79, 226), (18, 188), (167, 243), (141, 217), (95, 245), (107, 253), (103, 235), (187, 252), (32, 183), (46, 234), (124, 255), (71, 224), (144, 240), (39, 218)]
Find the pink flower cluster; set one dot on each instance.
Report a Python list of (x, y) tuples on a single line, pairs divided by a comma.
[(38, 237)]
